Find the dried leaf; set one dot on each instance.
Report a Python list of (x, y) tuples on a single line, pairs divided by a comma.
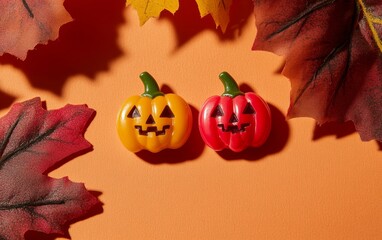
[(152, 8), (333, 58), (32, 141), (26, 23), (219, 10)]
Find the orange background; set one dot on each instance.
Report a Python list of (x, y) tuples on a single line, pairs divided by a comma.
[(306, 182)]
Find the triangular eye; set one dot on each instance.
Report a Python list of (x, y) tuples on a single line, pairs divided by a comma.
[(249, 109), (218, 112), (134, 113), (167, 113)]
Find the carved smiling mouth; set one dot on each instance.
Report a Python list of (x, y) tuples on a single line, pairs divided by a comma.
[(152, 129), (233, 128)]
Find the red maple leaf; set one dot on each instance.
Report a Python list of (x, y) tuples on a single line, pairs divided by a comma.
[(333, 58), (32, 141), (26, 23)]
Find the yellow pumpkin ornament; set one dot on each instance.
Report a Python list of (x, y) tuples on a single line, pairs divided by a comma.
[(154, 121)]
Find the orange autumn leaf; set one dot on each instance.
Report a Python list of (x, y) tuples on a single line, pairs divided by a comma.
[(152, 8), (219, 10), (24, 24)]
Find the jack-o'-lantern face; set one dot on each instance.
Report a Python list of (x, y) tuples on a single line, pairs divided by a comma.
[(235, 122), (148, 125)]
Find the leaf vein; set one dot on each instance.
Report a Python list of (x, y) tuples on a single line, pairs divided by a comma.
[(8, 135), (370, 19), (303, 15), (31, 204), (346, 44), (26, 145), (28, 8)]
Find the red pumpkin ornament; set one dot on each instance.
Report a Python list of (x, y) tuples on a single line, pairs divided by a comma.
[(234, 120)]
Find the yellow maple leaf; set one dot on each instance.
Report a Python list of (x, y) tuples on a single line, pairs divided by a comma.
[(219, 10), (152, 8)]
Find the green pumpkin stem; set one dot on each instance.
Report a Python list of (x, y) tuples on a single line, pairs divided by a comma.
[(231, 89), (151, 86)]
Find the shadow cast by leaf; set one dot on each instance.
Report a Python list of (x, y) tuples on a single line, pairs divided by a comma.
[(279, 70), (98, 209), (86, 46), (33, 235), (379, 145), (340, 130), (6, 100), (275, 143), (188, 23), (337, 129)]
